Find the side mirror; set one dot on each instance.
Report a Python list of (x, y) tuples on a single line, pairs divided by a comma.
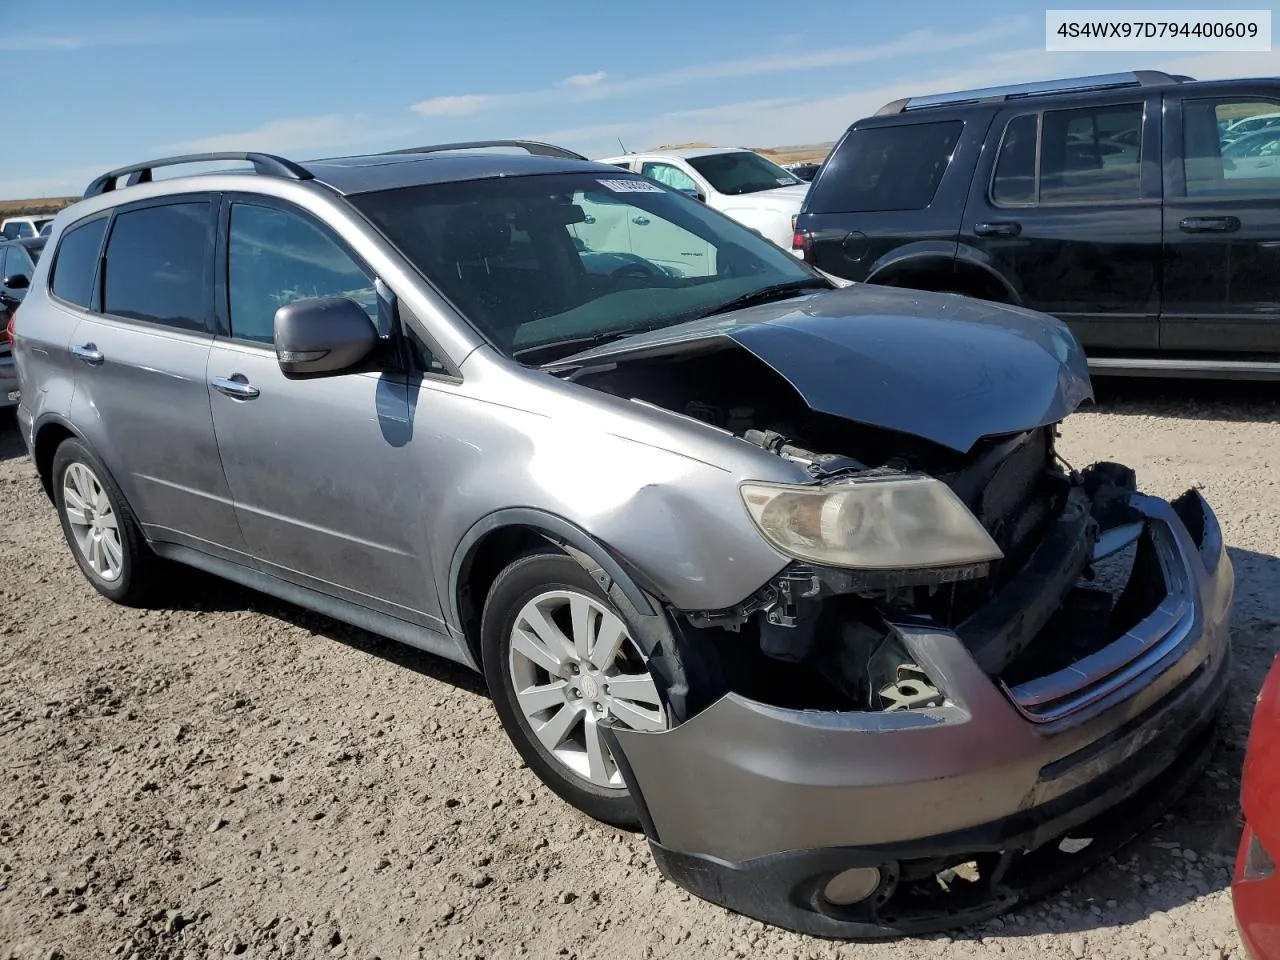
[(322, 336), (19, 281), (693, 193)]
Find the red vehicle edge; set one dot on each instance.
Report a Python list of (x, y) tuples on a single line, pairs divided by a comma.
[(1255, 889)]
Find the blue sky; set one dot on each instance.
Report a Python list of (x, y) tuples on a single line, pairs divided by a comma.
[(105, 84)]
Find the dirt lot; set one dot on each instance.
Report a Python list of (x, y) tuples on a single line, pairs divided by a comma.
[(232, 776)]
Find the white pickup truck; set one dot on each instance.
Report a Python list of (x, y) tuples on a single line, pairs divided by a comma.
[(740, 183)]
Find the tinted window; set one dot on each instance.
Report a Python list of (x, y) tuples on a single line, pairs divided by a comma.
[(1091, 154), (76, 261), (1231, 147), (276, 257), (886, 168), (158, 266), (1015, 177), (742, 172), (17, 262)]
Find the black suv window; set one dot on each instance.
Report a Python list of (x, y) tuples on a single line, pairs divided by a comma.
[(76, 262), (886, 168), (276, 257), (158, 265), (1231, 148), (1086, 155), (1091, 154)]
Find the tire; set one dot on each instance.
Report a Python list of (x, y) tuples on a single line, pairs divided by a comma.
[(108, 545), (515, 657)]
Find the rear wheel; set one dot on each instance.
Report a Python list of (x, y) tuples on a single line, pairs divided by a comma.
[(559, 658), (99, 527)]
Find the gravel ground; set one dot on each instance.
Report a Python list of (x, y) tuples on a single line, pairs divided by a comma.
[(232, 776)]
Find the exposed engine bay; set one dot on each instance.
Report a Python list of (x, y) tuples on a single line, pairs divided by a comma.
[(820, 637)]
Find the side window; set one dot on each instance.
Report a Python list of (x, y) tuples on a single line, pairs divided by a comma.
[(16, 263), (1231, 148), (76, 262), (1015, 176), (158, 265), (11, 230), (1091, 154), (275, 257), (886, 168), (672, 176)]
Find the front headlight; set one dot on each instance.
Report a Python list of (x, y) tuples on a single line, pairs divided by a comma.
[(889, 523)]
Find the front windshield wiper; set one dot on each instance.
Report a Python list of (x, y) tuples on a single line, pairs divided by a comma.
[(777, 291)]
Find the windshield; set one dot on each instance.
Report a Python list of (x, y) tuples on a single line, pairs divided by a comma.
[(742, 172), (555, 261)]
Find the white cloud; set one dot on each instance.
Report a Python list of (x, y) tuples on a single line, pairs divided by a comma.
[(596, 86), (288, 135), (584, 79)]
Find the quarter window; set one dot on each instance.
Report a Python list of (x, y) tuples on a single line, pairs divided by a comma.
[(76, 262), (275, 258), (886, 168), (158, 266)]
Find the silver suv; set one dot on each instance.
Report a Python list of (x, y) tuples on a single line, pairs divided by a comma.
[(785, 571)]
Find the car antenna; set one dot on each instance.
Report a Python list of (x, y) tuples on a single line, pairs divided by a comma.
[(623, 146)]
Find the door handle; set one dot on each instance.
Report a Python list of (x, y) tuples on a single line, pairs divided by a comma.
[(640, 221), (997, 229), (235, 386), (1209, 224), (89, 353)]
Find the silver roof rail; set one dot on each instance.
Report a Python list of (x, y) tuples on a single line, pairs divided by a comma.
[(533, 147), (263, 163), (1043, 88)]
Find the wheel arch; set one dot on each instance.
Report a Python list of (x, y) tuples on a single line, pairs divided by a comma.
[(957, 268), (49, 433), (498, 538)]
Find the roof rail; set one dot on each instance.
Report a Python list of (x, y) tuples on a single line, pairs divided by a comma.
[(1043, 88), (263, 163), (533, 147)]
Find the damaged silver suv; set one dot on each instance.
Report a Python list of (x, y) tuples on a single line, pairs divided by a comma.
[(785, 571)]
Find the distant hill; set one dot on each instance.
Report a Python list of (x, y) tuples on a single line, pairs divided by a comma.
[(816, 152), (32, 208)]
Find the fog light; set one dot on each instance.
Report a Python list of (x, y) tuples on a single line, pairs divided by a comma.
[(852, 886)]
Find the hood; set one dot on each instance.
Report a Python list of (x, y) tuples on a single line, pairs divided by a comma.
[(942, 367), (780, 198)]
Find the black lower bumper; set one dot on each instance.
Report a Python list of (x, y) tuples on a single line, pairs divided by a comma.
[(1001, 864)]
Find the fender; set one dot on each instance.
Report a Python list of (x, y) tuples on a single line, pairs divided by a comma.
[(947, 255), (50, 418), (556, 529)]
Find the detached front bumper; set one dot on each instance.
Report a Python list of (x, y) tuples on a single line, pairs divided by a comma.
[(953, 814)]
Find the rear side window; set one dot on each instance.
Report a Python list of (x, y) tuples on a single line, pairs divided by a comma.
[(1231, 148), (158, 266), (886, 168), (1091, 154), (1015, 178), (76, 262)]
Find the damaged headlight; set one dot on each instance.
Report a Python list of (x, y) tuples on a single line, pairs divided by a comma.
[(880, 523)]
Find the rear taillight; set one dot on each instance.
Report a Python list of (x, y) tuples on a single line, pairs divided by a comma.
[(800, 241), (11, 327)]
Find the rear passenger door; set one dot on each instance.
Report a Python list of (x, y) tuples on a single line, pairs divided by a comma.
[(326, 484), (1067, 210), (140, 355), (890, 191), (1221, 227)]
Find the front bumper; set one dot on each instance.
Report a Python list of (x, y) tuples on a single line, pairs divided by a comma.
[(756, 807)]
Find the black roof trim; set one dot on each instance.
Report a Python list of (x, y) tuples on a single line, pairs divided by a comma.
[(263, 163), (532, 147), (1043, 88)]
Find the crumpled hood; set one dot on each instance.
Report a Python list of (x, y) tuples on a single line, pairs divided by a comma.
[(946, 368)]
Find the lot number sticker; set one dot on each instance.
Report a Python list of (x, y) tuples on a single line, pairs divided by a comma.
[(630, 186)]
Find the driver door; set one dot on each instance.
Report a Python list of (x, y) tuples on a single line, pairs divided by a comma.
[(324, 478)]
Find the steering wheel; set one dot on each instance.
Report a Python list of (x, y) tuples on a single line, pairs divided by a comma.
[(636, 271)]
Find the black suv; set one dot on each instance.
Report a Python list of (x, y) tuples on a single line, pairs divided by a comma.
[(1141, 208)]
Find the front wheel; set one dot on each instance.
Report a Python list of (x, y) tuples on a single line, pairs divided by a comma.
[(559, 658)]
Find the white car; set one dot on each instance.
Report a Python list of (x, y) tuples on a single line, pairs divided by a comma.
[(18, 228), (739, 183)]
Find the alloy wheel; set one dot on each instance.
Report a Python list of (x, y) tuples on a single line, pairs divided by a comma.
[(94, 524)]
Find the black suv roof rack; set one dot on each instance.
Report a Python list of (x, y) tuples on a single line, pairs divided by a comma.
[(532, 147), (263, 163), (1043, 88)]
